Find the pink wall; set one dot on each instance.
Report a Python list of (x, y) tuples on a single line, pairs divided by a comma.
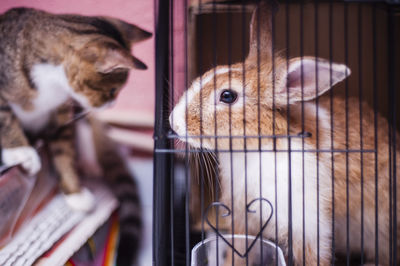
[(138, 94)]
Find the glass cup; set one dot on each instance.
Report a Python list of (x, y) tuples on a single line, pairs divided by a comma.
[(214, 251)]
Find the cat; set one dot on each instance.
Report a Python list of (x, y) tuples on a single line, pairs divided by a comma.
[(48, 64)]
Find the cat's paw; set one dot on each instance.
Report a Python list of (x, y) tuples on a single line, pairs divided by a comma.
[(81, 201), (26, 156)]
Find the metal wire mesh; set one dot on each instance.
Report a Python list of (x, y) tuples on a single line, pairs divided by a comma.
[(314, 172)]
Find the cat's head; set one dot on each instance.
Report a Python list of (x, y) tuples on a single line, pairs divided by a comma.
[(100, 65)]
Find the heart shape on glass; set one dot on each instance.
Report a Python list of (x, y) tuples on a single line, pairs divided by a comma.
[(220, 204)]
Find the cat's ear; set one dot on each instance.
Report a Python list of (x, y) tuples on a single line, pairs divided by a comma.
[(108, 58), (131, 32), (136, 34), (118, 60)]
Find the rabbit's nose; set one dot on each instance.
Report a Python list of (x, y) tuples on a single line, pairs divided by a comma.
[(177, 124), (176, 129)]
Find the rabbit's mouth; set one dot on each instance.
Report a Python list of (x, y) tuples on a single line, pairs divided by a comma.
[(180, 132), (185, 138)]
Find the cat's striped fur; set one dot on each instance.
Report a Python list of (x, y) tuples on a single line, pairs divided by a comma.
[(125, 188), (50, 62)]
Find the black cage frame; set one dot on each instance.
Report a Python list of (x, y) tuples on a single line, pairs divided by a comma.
[(172, 239)]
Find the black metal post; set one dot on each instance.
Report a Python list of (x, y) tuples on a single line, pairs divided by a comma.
[(392, 49), (162, 161)]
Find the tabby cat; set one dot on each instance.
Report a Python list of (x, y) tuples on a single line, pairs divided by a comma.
[(48, 64)]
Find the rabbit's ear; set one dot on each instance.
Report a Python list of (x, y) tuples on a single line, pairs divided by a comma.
[(301, 79), (261, 30)]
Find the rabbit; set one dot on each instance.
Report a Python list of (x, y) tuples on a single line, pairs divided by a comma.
[(266, 95)]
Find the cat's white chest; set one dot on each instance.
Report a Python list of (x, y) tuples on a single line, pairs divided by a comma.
[(53, 90)]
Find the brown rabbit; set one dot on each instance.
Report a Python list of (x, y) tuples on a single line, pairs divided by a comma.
[(269, 101)]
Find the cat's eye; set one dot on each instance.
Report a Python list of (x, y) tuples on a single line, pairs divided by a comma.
[(112, 92), (228, 96)]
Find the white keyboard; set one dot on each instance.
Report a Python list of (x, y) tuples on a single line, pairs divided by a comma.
[(47, 227)]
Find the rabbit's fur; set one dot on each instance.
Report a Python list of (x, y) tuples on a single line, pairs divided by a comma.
[(262, 109)]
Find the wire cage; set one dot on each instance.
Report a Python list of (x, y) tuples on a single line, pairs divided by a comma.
[(276, 133)]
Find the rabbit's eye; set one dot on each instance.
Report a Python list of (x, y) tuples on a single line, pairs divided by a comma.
[(228, 96)]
